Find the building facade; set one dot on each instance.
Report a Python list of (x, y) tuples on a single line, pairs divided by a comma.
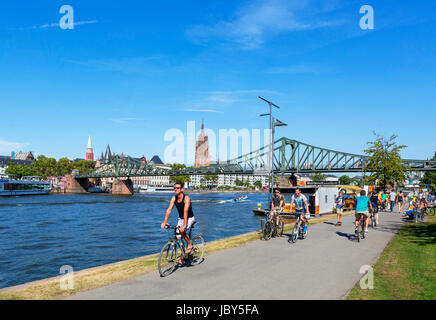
[(229, 180), (202, 158)]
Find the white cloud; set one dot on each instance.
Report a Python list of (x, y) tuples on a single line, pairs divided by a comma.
[(6, 147), (53, 25), (252, 24)]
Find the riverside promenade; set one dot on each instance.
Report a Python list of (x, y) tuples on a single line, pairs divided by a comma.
[(326, 265)]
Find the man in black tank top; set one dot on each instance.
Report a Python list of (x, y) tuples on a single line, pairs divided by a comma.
[(186, 215)]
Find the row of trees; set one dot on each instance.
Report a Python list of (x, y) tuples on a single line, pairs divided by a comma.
[(45, 167)]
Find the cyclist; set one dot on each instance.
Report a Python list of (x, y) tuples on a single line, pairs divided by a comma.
[(301, 204), (339, 207), (363, 207), (277, 203), (186, 215)]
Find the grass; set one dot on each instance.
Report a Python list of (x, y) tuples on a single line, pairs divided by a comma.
[(406, 269), (93, 278)]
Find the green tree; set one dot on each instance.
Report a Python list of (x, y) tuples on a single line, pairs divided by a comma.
[(385, 163), (345, 180), (430, 176), (258, 184), (19, 170), (181, 178), (319, 177)]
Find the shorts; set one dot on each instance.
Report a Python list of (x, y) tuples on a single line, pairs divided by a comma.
[(181, 222), (359, 213), (339, 210), (302, 212)]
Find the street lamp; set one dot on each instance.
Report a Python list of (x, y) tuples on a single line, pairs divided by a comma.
[(273, 122)]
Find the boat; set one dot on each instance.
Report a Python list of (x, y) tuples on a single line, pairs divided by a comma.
[(24, 186), (95, 190), (240, 198)]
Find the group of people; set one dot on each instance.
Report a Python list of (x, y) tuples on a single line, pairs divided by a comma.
[(301, 206), (364, 206)]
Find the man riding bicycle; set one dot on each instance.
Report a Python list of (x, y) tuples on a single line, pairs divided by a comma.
[(301, 204), (363, 208), (277, 203), (186, 215)]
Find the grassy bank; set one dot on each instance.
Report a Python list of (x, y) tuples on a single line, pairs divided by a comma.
[(104, 275), (407, 268)]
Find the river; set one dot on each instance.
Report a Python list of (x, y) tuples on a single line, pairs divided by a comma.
[(39, 234)]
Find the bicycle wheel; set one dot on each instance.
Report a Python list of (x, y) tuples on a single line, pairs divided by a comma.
[(294, 234), (167, 259), (363, 230), (431, 211), (372, 222), (267, 230), (197, 252)]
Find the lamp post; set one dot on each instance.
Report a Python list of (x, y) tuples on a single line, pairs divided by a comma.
[(273, 122)]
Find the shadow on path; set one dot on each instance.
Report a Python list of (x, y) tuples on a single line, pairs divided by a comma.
[(349, 236)]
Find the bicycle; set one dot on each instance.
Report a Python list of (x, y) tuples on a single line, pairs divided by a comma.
[(430, 210), (271, 228), (298, 231), (174, 251), (360, 234)]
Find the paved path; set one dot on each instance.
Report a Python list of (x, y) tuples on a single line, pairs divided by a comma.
[(324, 266)]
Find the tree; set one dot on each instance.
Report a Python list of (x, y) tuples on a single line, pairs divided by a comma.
[(19, 170), (179, 179), (319, 177), (345, 180), (385, 162), (258, 184), (430, 176)]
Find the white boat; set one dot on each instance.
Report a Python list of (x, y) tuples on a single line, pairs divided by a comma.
[(32, 186)]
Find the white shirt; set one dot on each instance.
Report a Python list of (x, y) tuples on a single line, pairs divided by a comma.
[(392, 196)]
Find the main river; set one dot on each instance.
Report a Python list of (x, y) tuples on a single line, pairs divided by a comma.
[(39, 234)]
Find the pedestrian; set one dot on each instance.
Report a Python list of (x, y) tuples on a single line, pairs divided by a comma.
[(339, 207), (400, 201), (392, 198)]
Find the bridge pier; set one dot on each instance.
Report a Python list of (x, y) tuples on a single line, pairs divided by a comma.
[(79, 185), (122, 187)]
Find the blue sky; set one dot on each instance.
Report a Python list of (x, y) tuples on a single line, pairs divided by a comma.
[(131, 70)]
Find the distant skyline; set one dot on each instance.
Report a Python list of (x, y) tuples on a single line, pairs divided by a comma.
[(129, 72)]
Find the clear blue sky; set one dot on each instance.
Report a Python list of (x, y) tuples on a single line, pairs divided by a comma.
[(131, 70)]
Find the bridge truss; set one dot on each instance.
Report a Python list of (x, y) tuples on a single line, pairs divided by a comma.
[(288, 156)]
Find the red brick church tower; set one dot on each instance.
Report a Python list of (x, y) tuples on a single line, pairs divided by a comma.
[(89, 152), (202, 158)]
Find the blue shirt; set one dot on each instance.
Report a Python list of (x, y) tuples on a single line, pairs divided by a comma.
[(362, 203)]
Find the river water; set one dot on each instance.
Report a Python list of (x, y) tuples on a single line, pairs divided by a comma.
[(39, 234)]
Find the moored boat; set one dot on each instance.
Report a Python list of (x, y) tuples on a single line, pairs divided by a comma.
[(25, 186)]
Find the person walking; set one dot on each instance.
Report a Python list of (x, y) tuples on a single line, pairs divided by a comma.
[(339, 207), (392, 198), (400, 201)]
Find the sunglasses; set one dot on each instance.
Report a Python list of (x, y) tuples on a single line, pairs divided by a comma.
[(176, 188)]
